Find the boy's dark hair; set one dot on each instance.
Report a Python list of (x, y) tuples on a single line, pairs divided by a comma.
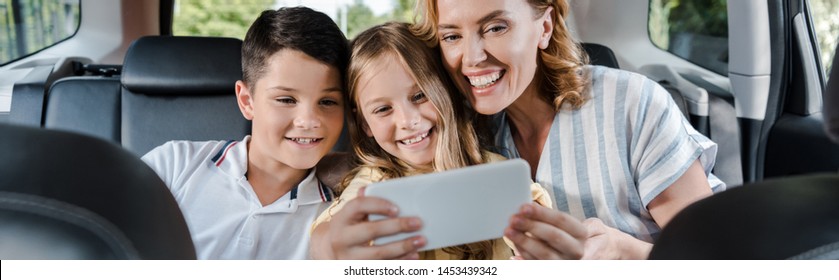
[(297, 28)]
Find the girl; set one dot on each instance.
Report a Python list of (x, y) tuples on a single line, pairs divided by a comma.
[(404, 123)]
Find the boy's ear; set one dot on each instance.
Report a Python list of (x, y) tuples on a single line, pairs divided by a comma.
[(245, 100), (548, 29)]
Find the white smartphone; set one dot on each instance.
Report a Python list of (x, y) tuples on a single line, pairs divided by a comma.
[(458, 206)]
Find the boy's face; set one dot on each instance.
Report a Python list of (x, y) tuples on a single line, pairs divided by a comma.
[(297, 110)]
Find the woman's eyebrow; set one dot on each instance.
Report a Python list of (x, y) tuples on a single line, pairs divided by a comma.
[(494, 14), (481, 21)]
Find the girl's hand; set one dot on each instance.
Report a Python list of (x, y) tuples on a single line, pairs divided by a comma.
[(543, 233), (349, 233)]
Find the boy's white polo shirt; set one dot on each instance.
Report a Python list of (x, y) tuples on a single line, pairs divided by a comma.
[(224, 215)]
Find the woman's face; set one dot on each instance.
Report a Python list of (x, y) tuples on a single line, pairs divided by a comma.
[(491, 48)]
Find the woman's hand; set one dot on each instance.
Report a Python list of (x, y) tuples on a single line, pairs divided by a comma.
[(349, 233), (607, 243), (543, 233)]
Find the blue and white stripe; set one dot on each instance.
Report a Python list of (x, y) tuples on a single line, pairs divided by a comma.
[(614, 155)]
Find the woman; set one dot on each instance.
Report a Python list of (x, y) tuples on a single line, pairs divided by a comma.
[(611, 145)]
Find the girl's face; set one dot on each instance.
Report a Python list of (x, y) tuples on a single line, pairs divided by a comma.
[(490, 49), (397, 113)]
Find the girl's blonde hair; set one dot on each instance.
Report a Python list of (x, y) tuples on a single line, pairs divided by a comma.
[(457, 143), (562, 79)]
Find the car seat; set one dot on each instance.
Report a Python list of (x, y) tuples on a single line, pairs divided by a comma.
[(99, 177)]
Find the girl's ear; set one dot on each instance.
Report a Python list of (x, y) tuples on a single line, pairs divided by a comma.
[(245, 100), (547, 29), (362, 122), (366, 128)]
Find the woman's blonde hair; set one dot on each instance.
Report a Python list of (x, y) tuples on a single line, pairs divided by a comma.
[(563, 80), (457, 143)]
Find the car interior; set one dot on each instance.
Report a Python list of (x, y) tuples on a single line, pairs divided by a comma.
[(800, 212), (81, 113)]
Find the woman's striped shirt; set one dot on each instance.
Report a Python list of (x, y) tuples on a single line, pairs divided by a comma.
[(615, 154)]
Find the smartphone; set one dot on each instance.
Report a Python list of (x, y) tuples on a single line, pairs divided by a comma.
[(458, 206)]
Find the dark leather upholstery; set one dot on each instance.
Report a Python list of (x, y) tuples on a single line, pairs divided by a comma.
[(100, 177), (601, 55), (180, 88), (171, 88), (794, 217), (36, 227), (27, 106), (87, 105), (182, 65)]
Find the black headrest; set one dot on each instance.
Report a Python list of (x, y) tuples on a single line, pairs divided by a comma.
[(101, 177), (182, 65), (36, 227), (772, 219), (831, 100), (600, 55)]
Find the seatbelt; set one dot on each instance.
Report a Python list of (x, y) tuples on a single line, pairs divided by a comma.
[(677, 97), (722, 125), (725, 132)]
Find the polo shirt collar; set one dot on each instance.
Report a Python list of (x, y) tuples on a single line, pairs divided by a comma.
[(311, 191), (232, 159)]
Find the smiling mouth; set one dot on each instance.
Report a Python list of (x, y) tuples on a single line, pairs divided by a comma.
[(485, 81), (416, 139), (304, 141)]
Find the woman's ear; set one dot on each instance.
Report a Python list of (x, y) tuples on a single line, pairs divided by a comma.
[(547, 28), (245, 100)]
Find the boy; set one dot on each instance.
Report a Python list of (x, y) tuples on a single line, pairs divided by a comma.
[(257, 198)]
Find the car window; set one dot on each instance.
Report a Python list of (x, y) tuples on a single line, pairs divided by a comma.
[(826, 24), (28, 26), (696, 30), (224, 18)]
